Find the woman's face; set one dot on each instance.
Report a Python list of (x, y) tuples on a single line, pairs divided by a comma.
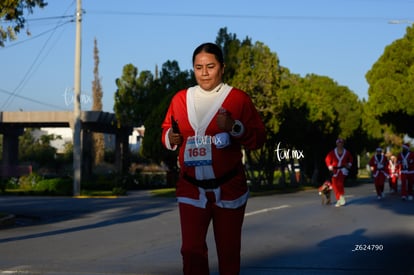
[(207, 70), (340, 144)]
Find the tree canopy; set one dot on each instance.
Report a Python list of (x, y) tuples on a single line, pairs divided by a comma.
[(13, 12), (306, 113), (391, 85)]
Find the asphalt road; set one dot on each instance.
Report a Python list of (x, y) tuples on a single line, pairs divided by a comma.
[(139, 234)]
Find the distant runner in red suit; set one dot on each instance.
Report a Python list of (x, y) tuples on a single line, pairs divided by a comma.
[(339, 161), (394, 174), (210, 123), (379, 168), (405, 162)]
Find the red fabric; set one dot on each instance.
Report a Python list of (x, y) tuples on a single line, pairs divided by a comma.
[(379, 181), (394, 174), (410, 162), (332, 160), (338, 185), (227, 224), (379, 166), (338, 178), (226, 205), (407, 182), (241, 108), (406, 173), (393, 180), (325, 186)]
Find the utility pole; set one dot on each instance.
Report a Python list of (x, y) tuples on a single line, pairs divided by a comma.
[(77, 151)]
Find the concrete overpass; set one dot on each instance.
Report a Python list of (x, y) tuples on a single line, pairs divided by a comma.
[(12, 124)]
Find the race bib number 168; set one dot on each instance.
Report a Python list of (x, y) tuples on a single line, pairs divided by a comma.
[(197, 154)]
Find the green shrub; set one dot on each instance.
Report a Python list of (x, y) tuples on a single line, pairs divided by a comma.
[(56, 186), (11, 183), (119, 191), (27, 182), (3, 184)]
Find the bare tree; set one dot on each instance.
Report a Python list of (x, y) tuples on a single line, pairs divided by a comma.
[(98, 138)]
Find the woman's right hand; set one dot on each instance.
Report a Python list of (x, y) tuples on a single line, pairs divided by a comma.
[(175, 138)]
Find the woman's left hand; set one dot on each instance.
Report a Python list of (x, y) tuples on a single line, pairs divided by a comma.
[(224, 121)]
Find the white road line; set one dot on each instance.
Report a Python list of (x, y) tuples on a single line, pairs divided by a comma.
[(15, 272), (265, 210)]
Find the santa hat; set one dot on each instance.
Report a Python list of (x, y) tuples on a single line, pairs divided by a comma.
[(406, 146)]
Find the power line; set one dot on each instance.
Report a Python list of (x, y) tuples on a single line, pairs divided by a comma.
[(30, 99), (2, 21), (30, 71), (26, 76), (239, 16), (207, 15), (36, 36)]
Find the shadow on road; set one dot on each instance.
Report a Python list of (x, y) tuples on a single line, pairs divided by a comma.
[(35, 211), (391, 202), (111, 221), (354, 253)]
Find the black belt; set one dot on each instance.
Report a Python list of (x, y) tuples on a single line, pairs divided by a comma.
[(211, 183)]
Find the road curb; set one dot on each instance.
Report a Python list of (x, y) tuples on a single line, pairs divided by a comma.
[(95, 197), (8, 220)]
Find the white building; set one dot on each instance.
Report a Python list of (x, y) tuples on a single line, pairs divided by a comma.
[(135, 140), (66, 134)]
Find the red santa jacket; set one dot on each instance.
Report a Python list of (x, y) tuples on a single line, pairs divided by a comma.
[(405, 163), (202, 137), (393, 168), (379, 164), (338, 162)]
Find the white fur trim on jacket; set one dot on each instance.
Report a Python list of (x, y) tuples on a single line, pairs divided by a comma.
[(202, 200)]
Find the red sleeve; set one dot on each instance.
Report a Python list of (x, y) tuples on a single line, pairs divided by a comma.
[(328, 159), (178, 110), (372, 161), (242, 108)]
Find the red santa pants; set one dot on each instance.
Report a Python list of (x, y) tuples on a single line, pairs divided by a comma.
[(407, 181), (379, 181), (393, 181), (227, 225), (338, 185)]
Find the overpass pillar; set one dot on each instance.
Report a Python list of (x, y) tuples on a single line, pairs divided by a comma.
[(122, 149), (10, 149)]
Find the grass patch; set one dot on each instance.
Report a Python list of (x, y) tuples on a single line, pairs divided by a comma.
[(266, 190), (170, 192), (96, 193), (25, 192), (164, 192), (90, 193), (278, 190)]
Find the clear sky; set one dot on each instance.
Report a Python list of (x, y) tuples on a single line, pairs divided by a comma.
[(340, 39)]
